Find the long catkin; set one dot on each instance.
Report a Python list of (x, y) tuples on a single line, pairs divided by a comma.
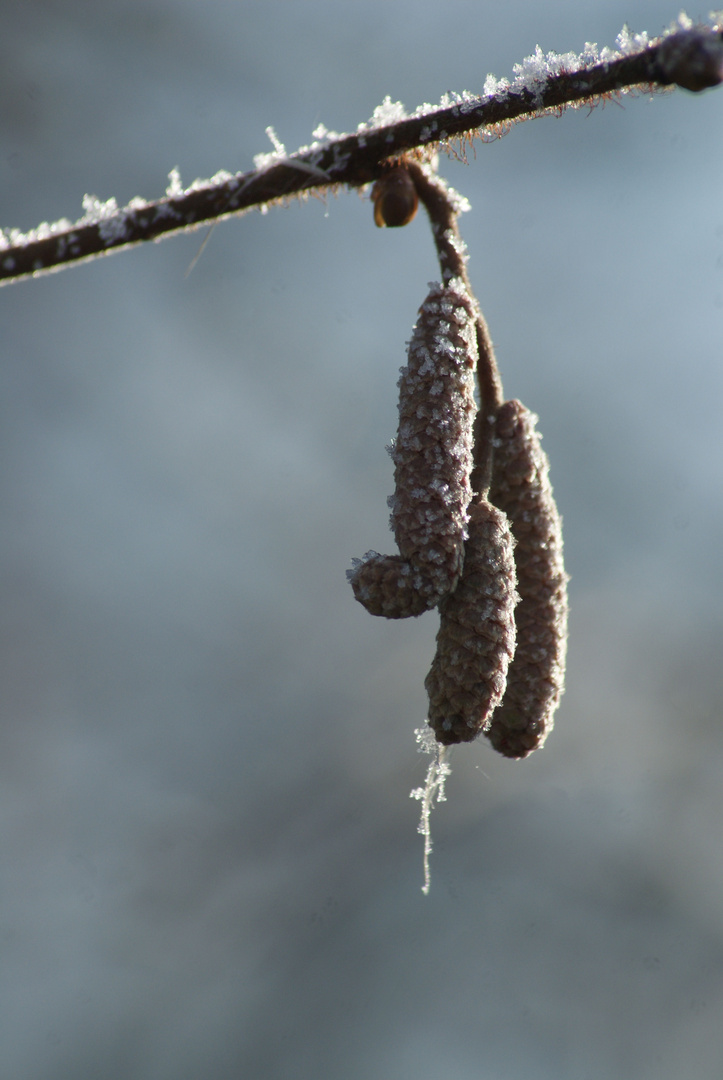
[(535, 680), (476, 638), (433, 460)]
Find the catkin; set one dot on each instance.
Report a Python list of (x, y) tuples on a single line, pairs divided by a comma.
[(476, 638), (433, 460), (535, 681)]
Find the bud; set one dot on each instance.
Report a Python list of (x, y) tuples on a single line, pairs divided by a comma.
[(535, 681), (395, 199), (433, 461), (476, 639)]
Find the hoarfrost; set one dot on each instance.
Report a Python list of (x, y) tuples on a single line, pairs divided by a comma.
[(628, 42), (265, 161), (322, 135), (111, 222), (278, 156), (459, 203), (113, 229), (433, 789), (10, 238), (389, 112), (175, 187), (535, 70), (96, 210), (494, 87), (217, 180), (356, 564), (684, 21)]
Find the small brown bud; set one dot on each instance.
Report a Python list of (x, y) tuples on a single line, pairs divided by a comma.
[(691, 58), (476, 639), (433, 461), (395, 199), (521, 488)]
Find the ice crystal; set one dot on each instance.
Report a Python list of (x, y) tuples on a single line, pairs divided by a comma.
[(266, 161), (96, 211), (534, 71), (433, 789), (217, 180), (628, 42), (175, 188), (15, 238), (111, 221), (684, 22), (494, 87), (389, 112)]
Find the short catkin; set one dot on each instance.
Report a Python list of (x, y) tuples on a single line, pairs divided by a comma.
[(535, 681), (432, 456), (476, 638)]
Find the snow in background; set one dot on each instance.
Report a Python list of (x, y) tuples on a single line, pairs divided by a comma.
[(209, 863)]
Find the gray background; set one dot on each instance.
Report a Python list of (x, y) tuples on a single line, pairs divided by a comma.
[(209, 861)]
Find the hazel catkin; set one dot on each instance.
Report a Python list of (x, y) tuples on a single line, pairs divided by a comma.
[(521, 488), (476, 638), (432, 456)]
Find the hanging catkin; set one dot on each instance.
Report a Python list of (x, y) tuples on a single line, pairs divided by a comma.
[(476, 639), (535, 681), (433, 459)]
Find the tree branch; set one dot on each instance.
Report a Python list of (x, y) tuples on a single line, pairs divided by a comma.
[(687, 56)]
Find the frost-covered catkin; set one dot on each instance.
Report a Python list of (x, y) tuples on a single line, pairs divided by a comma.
[(433, 460), (476, 639), (535, 681)]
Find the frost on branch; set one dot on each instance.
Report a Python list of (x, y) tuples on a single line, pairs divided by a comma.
[(689, 56), (433, 461)]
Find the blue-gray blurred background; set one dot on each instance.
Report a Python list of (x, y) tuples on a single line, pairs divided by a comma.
[(209, 860)]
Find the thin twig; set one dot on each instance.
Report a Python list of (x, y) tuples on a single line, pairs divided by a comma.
[(691, 57)]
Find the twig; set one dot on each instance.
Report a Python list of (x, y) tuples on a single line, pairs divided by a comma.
[(691, 57)]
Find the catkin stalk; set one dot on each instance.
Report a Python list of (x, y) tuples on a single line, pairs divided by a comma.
[(433, 460), (535, 680)]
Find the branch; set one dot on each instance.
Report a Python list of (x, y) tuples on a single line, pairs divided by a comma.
[(687, 56)]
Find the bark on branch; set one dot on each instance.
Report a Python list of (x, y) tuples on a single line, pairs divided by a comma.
[(690, 57)]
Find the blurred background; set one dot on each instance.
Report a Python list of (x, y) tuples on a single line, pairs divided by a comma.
[(209, 864)]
